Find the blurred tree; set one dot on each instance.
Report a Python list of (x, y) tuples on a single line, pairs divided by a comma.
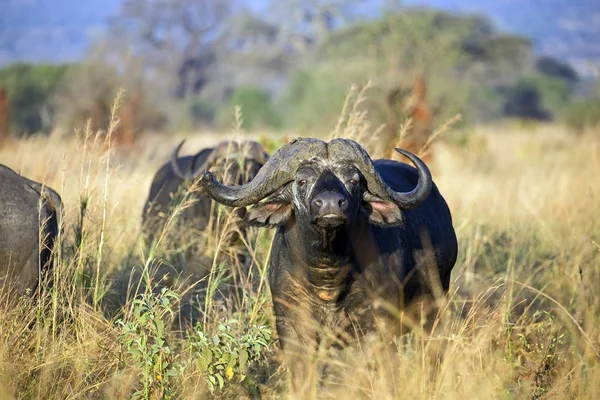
[(257, 111), (553, 68), (179, 38), (88, 95), (268, 47), (391, 52), (314, 98), (536, 96), (202, 112), (304, 24), (523, 100), (129, 111), (29, 89), (306, 53), (469, 67)]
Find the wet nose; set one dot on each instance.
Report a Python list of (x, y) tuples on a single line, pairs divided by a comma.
[(329, 202)]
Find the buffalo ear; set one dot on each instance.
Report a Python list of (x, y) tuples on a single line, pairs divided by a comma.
[(271, 212), (382, 212)]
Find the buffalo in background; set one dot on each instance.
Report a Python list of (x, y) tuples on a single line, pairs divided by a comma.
[(351, 234), (237, 163), (29, 224), (183, 243)]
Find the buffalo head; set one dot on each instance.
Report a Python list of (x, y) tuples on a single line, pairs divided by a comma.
[(235, 163), (324, 185)]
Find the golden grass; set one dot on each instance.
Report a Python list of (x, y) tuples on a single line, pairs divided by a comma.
[(522, 319)]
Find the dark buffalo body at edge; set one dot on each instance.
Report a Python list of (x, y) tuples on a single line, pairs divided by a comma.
[(28, 210), (430, 221)]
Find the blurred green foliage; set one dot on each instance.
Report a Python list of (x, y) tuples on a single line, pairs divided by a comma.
[(313, 98), (536, 97), (469, 67), (582, 115), (30, 89), (257, 110), (229, 352), (90, 90), (202, 111), (144, 338)]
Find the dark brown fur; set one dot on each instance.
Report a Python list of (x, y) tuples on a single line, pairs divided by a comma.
[(29, 223)]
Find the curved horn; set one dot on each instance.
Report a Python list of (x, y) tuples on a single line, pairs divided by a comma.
[(419, 194), (202, 168), (276, 172), (175, 164), (355, 154)]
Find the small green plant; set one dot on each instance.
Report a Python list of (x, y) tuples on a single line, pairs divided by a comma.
[(144, 337), (226, 354), (540, 353)]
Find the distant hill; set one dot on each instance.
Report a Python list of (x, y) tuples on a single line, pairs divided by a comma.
[(566, 29), (50, 30), (61, 30)]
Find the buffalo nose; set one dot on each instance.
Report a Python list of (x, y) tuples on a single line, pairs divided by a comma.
[(329, 202)]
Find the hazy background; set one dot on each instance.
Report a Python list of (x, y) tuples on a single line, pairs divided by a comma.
[(288, 64)]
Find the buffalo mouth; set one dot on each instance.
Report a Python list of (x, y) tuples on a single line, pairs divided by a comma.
[(330, 221)]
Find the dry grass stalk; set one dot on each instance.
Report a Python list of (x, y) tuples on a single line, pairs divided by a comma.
[(522, 319)]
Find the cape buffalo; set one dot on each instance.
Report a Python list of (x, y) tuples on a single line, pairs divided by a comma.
[(352, 234), (29, 223), (236, 163)]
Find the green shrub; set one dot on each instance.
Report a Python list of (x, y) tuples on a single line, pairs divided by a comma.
[(144, 337), (314, 99), (30, 89), (524, 100), (228, 353), (257, 110), (536, 97)]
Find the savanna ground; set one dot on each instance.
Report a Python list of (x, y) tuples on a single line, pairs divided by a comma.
[(522, 319)]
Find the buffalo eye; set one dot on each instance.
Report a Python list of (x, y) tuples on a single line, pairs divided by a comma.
[(353, 182), (301, 182)]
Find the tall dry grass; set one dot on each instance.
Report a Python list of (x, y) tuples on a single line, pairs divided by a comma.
[(522, 319)]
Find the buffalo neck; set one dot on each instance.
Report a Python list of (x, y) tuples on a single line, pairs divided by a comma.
[(327, 261)]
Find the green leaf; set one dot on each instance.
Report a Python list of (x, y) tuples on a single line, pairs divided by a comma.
[(225, 358), (221, 381), (206, 358), (135, 352), (160, 328), (243, 359)]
